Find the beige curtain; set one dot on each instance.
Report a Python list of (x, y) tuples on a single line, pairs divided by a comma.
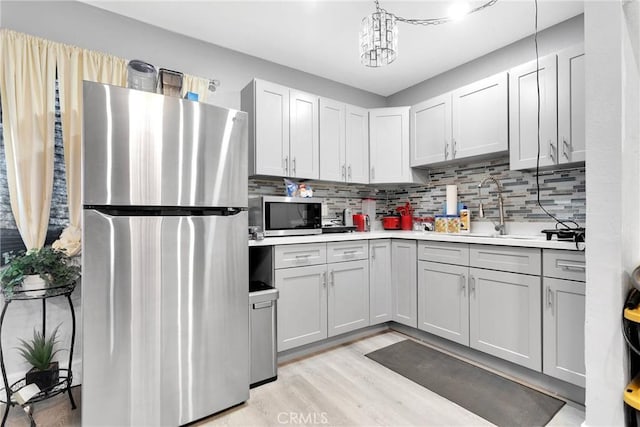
[(27, 85), (196, 85), (74, 66)]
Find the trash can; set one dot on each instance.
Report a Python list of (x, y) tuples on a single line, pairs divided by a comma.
[(262, 323)]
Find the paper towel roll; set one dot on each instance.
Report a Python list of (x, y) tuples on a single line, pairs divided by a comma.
[(452, 200)]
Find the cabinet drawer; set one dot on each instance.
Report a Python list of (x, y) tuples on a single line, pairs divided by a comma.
[(347, 251), (300, 255), (450, 253), (506, 258), (564, 264)]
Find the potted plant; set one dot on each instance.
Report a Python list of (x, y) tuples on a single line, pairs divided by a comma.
[(39, 352), (38, 269)]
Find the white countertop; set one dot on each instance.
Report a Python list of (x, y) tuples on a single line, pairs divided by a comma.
[(530, 241)]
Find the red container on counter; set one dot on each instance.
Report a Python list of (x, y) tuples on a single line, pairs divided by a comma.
[(391, 222), (406, 222)]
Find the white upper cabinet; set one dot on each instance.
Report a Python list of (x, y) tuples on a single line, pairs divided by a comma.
[(468, 122), (389, 145), (571, 102), (431, 131), (268, 107), (523, 114), (283, 130), (357, 145), (332, 140), (344, 142), (480, 118), (303, 144)]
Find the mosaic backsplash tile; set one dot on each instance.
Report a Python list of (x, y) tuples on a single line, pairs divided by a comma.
[(562, 192)]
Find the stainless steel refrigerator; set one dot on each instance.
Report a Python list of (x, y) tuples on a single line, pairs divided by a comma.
[(165, 259)]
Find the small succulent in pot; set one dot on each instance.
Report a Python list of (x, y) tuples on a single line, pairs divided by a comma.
[(53, 266), (39, 352)]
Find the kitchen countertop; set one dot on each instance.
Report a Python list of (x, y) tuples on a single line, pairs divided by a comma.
[(530, 241)]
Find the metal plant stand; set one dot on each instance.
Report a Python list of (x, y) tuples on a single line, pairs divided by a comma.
[(65, 375)]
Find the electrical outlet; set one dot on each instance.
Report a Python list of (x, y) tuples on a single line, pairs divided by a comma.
[(325, 209)]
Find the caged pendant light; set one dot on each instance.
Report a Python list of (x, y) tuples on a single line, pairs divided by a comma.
[(379, 32)]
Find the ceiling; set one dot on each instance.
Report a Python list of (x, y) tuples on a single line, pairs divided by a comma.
[(321, 37)]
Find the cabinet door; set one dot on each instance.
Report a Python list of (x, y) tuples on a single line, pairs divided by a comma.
[(348, 303), (332, 139), (443, 302), (302, 305), (431, 131), (505, 316), (563, 330), (389, 147), (523, 113), (404, 281), (380, 287), (304, 147), (571, 102), (481, 118), (357, 145), (271, 129)]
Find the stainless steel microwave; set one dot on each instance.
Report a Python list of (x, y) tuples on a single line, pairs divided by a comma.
[(286, 216)]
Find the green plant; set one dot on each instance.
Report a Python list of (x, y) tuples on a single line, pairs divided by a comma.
[(39, 351), (52, 265)]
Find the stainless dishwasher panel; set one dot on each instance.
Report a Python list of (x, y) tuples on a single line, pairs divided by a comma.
[(262, 313)]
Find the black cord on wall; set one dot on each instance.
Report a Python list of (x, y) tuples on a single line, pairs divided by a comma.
[(567, 223)]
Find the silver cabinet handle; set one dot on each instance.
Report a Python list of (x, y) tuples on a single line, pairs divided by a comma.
[(373, 172), (294, 166), (324, 279), (373, 252), (568, 266), (565, 148), (305, 256), (263, 304), (464, 284), (549, 297), (472, 285), (552, 151), (332, 279), (453, 149), (343, 174), (349, 173), (446, 150), (286, 165)]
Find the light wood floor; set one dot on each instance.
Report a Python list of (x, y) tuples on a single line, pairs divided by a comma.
[(335, 387)]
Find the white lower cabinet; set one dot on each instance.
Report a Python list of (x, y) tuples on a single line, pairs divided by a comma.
[(380, 287), (404, 282), (505, 316), (302, 305), (443, 300), (563, 325), (563, 315), (322, 300), (348, 304)]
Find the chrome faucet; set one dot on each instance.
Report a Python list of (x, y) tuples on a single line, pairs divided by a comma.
[(500, 227)]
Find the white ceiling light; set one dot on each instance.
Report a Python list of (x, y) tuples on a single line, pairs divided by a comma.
[(379, 32), (458, 10)]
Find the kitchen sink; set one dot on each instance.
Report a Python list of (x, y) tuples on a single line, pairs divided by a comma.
[(520, 237)]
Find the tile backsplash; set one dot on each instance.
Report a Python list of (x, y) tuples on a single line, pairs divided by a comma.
[(562, 192)]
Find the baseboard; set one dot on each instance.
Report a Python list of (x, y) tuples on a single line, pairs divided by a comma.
[(326, 344)]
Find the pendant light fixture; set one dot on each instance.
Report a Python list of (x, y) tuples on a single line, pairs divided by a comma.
[(379, 32)]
